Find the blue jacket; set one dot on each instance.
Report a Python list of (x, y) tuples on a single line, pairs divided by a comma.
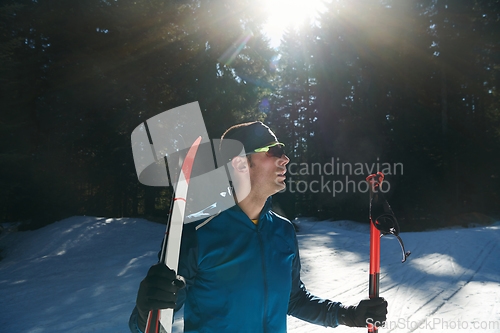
[(242, 277)]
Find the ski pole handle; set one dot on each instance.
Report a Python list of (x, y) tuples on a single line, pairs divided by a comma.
[(375, 180)]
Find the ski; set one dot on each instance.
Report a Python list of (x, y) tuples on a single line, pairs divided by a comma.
[(383, 224), (172, 240)]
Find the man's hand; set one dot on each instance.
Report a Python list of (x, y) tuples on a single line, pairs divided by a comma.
[(373, 311), (157, 291)]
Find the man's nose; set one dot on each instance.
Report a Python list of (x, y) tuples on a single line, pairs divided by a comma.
[(284, 160)]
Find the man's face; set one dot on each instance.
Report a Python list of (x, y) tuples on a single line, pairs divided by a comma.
[(267, 173)]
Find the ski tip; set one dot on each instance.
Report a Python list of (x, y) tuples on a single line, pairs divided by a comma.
[(188, 162), (197, 141)]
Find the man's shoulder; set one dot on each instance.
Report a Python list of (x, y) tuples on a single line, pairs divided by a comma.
[(275, 216), (286, 223)]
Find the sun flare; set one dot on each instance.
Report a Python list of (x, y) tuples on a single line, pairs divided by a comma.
[(286, 13)]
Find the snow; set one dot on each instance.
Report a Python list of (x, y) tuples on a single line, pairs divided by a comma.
[(81, 274)]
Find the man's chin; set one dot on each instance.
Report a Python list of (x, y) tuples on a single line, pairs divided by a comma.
[(281, 185)]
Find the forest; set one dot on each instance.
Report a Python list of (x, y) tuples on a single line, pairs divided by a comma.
[(403, 87)]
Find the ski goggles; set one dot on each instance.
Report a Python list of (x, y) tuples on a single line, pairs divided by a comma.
[(273, 150)]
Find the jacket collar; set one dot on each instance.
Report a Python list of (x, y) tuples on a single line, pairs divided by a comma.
[(267, 207)]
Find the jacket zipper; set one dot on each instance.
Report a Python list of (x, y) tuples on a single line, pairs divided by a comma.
[(264, 278)]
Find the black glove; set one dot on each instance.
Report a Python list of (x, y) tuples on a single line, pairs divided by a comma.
[(157, 291), (368, 311)]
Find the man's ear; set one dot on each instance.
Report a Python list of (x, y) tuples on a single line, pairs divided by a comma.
[(240, 164)]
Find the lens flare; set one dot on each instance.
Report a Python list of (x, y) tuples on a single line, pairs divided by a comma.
[(273, 65), (232, 52), (264, 106)]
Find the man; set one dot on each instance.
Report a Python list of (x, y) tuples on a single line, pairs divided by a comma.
[(241, 267)]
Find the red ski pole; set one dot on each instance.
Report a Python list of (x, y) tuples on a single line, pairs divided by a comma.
[(381, 225), (374, 278), (374, 267)]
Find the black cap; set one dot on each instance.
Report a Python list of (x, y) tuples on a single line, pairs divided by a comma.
[(252, 135)]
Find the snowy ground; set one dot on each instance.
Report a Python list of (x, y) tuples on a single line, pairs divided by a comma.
[(82, 274)]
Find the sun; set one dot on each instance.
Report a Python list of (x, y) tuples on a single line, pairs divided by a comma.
[(285, 13)]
